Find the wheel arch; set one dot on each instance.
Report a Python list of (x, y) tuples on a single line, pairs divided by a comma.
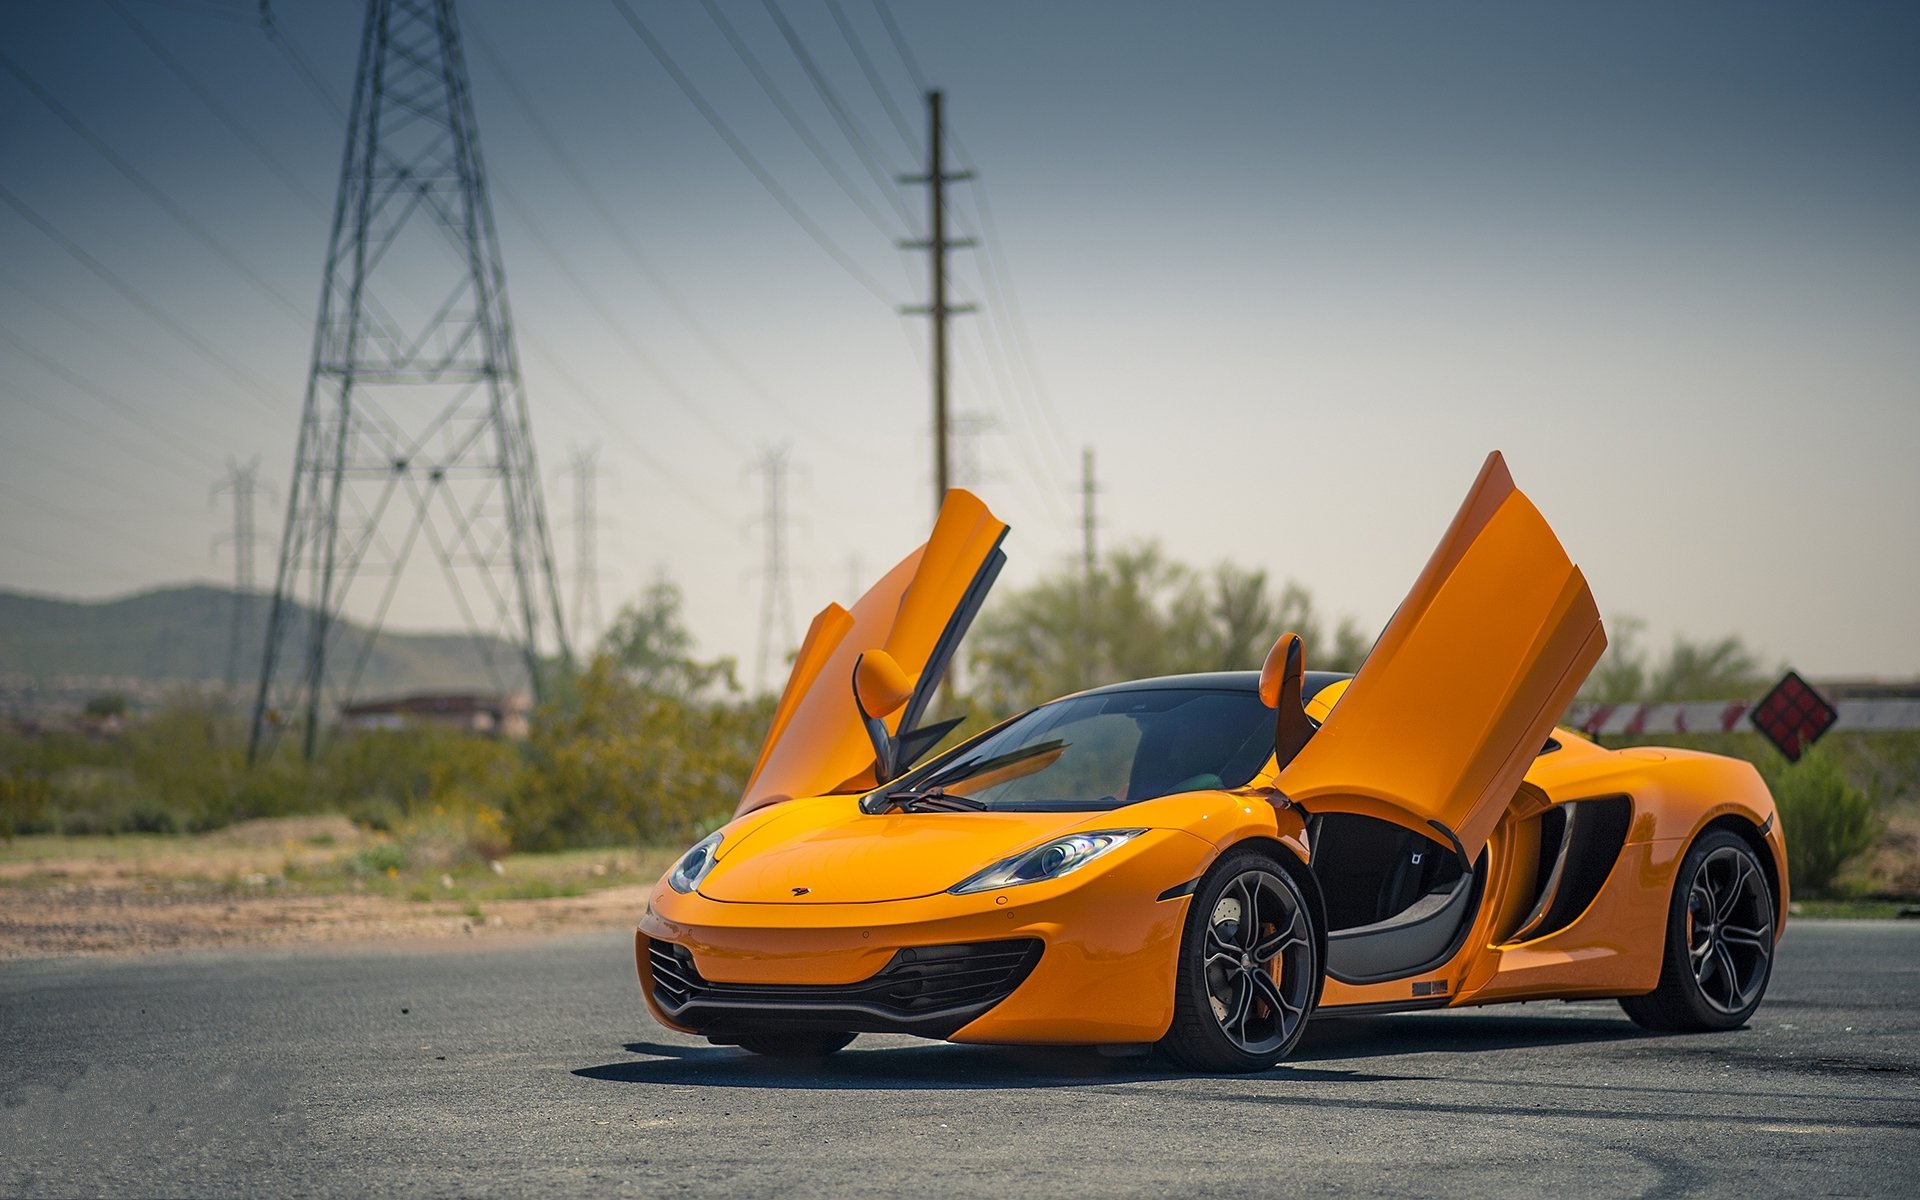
[(1743, 827)]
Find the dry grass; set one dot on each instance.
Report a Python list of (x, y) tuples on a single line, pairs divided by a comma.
[(297, 880)]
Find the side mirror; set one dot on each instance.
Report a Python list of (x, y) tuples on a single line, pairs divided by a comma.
[(1280, 680), (881, 688), (880, 685)]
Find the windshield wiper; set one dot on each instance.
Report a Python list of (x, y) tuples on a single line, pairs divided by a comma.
[(974, 768), (933, 799)]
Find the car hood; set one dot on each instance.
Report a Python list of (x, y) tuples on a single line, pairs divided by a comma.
[(826, 851)]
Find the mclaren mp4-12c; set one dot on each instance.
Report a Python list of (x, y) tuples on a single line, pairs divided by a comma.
[(1201, 863)]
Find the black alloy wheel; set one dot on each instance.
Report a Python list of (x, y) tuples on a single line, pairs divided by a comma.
[(1249, 968), (1720, 941)]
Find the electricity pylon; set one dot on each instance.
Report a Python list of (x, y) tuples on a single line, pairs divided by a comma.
[(243, 483), (414, 428), (776, 600), (585, 469)]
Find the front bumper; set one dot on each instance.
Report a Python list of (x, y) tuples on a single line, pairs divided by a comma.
[(933, 991), (1096, 953)]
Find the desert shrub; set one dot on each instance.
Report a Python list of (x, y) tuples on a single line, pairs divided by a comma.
[(463, 831), (24, 804), (1827, 821), (612, 761), (385, 779), (378, 859)]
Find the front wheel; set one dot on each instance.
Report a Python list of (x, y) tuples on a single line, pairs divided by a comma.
[(1249, 968), (1719, 943)]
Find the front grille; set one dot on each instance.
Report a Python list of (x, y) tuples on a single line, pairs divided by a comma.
[(927, 990)]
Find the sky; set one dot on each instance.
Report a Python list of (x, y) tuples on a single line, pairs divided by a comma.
[(1289, 270)]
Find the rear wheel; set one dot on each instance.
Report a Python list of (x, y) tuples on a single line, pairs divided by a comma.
[(1719, 952), (795, 1045), (1249, 968)]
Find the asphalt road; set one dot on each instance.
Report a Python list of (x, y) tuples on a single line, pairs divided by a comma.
[(533, 1069)]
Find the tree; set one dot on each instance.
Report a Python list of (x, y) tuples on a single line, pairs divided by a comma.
[(650, 645), (1717, 670), (1139, 615), (647, 743)]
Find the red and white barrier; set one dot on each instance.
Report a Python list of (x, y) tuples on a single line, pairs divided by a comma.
[(1728, 716)]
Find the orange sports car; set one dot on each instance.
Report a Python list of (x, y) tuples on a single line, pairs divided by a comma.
[(1203, 862)]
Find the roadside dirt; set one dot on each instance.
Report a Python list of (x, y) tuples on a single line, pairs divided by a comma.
[(110, 919), (225, 889)]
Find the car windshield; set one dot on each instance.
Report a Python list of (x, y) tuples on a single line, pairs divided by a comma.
[(1102, 751)]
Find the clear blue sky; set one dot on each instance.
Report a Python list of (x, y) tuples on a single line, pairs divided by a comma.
[(1291, 270)]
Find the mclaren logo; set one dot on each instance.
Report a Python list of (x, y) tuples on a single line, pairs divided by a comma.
[(801, 891)]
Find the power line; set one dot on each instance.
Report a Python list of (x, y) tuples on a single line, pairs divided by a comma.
[(746, 157), (691, 495), (204, 8), (112, 533), (857, 137), (1043, 483), (214, 105), (150, 189), (900, 45), (999, 280), (159, 315), (669, 386), (271, 28), (880, 89), (1017, 402), (640, 260), (173, 439), (103, 333), (140, 453), (780, 102)]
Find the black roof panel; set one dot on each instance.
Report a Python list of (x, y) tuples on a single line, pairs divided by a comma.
[(1224, 681)]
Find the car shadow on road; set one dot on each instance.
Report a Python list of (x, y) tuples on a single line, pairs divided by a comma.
[(941, 1066), (935, 1066), (1331, 1038)]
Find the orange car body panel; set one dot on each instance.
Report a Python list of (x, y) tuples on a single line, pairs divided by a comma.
[(1500, 624), (1446, 713), (1110, 936), (816, 742)]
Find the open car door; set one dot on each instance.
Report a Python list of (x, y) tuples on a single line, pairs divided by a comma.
[(818, 740), (1444, 717)]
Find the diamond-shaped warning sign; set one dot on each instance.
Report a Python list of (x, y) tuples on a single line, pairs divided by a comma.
[(1793, 716)]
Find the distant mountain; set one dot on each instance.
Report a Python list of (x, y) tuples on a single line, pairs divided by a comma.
[(181, 635)]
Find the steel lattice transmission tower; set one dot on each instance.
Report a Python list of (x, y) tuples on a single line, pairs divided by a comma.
[(587, 618), (243, 482), (776, 598), (414, 437)]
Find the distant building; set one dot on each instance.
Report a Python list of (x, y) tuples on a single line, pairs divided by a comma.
[(486, 714)]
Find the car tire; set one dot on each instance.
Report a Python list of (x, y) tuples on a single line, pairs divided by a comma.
[(1719, 947), (1245, 987), (795, 1045)]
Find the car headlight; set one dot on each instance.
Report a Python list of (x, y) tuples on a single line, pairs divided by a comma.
[(694, 864), (1061, 856)]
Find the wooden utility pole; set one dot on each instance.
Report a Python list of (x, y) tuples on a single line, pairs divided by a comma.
[(937, 244)]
